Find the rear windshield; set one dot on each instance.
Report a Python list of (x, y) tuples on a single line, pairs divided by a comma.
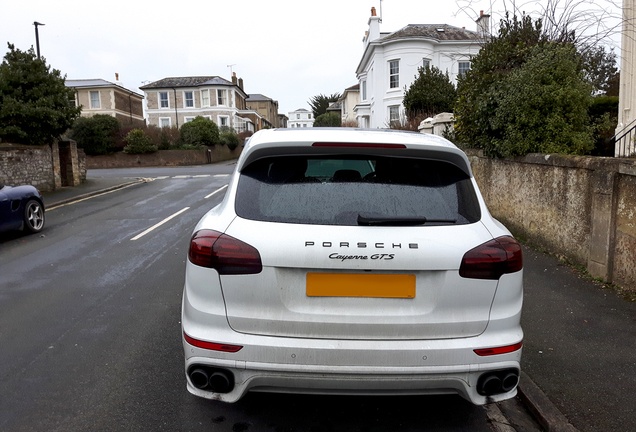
[(342, 190)]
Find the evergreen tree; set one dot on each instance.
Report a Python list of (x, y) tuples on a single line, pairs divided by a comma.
[(320, 103), (36, 107), (431, 93)]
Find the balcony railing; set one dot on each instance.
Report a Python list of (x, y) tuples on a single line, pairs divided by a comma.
[(624, 140)]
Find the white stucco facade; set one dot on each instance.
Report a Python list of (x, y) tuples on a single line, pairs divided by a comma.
[(390, 63), (300, 118), (627, 93)]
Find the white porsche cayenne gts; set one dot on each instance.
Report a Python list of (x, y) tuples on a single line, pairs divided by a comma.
[(347, 261)]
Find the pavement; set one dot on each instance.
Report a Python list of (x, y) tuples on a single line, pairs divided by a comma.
[(579, 356), (92, 187)]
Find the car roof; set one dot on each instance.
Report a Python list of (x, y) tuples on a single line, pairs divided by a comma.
[(300, 142)]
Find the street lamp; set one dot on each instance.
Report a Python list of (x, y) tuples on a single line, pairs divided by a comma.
[(37, 37)]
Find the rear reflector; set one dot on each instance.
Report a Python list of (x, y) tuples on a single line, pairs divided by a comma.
[(223, 253), (493, 259), (211, 345), (357, 145), (499, 350)]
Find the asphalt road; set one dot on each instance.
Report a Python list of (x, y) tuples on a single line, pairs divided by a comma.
[(90, 327)]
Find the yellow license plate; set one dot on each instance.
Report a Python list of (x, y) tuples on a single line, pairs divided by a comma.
[(360, 285)]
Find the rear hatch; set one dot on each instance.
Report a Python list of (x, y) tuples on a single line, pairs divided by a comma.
[(358, 282), (357, 247)]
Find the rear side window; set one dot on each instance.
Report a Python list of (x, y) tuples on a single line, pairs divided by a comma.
[(340, 190)]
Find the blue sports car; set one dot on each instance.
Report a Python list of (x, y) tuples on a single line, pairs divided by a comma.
[(21, 207)]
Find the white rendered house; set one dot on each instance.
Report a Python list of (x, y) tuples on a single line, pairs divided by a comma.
[(390, 63), (300, 118)]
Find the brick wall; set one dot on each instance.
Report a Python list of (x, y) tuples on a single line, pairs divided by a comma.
[(163, 158)]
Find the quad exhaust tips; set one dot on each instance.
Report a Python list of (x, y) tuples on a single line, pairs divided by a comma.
[(492, 383), (211, 379)]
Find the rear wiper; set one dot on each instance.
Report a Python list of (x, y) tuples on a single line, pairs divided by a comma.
[(388, 221)]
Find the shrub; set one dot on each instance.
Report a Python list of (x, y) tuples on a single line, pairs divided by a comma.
[(230, 139), (524, 94), (97, 134), (200, 131), (330, 119), (544, 104), (138, 143), (244, 136), (165, 138), (604, 117)]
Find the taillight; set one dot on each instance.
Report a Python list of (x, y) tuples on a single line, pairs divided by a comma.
[(223, 253), (492, 259)]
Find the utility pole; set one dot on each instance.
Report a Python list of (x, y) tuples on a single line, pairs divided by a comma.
[(37, 36)]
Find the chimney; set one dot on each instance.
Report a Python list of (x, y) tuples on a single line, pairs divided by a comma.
[(116, 76), (234, 78), (240, 83), (483, 24), (374, 27)]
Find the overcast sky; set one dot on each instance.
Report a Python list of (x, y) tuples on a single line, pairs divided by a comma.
[(288, 50)]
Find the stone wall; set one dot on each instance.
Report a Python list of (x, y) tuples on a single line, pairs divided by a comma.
[(580, 207), (21, 164), (47, 167), (163, 158)]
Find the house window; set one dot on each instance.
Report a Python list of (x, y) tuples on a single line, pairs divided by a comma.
[(364, 90), (309, 116), (95, 100), (188, 98), (297, 116), (188, 119), (304, 125), (426, 63), (394, 74), (394, 113), (463, 67), (163, 100), (164, 122), (224, 120), (221, 98), (205, 98)]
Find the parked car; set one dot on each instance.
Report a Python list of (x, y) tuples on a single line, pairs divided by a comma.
[(346, 261), (21, 207)]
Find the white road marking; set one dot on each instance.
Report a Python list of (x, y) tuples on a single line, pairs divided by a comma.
[(161, 177), (159, 224), (181, 176), (221, 175), (202, 175), (216, 191), (87, 198)]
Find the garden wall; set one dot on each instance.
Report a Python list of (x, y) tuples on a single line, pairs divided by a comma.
[(46, 167), (163, 158), (580, 207)]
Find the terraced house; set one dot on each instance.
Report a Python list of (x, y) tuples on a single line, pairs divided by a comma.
[(178, 100)]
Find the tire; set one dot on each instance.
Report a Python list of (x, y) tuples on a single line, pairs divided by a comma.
[(33, 216)]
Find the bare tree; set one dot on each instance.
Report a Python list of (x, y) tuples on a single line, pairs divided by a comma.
[(585, 23)]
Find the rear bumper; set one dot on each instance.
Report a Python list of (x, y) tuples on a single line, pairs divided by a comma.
[(320, 366), (284, 378)]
